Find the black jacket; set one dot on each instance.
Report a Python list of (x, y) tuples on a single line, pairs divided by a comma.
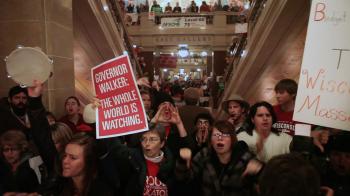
[(136, 176), (23, 179), (210, 178)]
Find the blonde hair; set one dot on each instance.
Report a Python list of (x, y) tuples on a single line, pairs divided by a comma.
[(61, 133), (14, 138)]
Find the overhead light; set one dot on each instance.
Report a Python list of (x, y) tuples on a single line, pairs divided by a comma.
[(183, 52), (165, 70), (204, 54), (183, 45), (247, 6), (134, 46), (105, 7), (198, 69), (244, 52)]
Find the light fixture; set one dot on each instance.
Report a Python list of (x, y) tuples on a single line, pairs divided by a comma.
[(198, 69), (183, 52), (165, 70), (134, 46), (204, 54), (243, 53), (105, 7), (246, 5)]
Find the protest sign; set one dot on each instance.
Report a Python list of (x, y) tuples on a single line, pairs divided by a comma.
[(121, 111), (324, 85)]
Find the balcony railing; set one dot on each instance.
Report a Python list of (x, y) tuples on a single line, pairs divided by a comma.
[(231, 17)]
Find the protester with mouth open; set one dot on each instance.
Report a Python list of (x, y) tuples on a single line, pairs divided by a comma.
[(203, 123), (152, 164), (222, 168), (262, 139), (73, 118)]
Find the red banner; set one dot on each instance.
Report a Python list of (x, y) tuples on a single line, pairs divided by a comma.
[(167, 61), (121, 111)]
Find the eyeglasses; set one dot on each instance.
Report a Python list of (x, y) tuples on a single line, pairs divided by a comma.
[(150, 140), (9, 149), (202, 122), (221, 135)]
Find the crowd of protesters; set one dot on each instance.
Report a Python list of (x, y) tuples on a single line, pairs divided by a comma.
[(186, 151)]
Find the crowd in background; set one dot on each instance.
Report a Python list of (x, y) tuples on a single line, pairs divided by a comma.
[(131, 10), (186, 151)]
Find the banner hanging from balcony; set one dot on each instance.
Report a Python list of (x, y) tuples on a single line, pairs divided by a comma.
[(167, 61), (324, 85), (183, 22)]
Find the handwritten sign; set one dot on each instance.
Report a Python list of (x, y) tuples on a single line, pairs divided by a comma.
[(121, 110), (324, 85)]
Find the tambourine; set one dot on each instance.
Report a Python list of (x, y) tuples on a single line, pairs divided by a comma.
[(26, 64)]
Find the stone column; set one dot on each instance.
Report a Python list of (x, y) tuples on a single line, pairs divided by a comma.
[(46, 24)]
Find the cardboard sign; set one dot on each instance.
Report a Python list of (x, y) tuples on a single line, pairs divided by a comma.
[(121, 111), (324, 86)]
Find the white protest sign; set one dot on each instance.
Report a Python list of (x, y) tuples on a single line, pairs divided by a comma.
[(324, 85)]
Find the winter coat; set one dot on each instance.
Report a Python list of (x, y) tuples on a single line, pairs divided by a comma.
[(136, 176), (211, 178), (24, 179)]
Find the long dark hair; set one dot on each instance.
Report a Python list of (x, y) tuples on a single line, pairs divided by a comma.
[(252, 112), (90, 158)]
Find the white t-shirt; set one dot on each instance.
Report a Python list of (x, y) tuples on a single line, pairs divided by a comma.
[(273, 145)]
